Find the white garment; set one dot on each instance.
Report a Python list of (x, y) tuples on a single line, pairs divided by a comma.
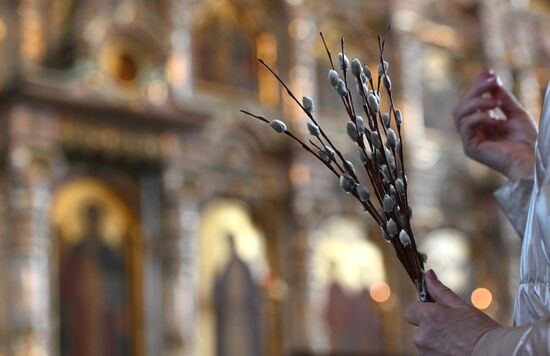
[(531, 333)]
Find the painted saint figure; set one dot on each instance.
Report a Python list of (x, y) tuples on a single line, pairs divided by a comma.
[(94, 302), (237, 307)]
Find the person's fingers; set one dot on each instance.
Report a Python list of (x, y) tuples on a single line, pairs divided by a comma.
[(509, 104), (440, 293), (484, 83), (476, 104), (467, 124)]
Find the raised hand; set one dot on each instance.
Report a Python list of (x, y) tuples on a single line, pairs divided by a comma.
[(504, 145), (449, 326)]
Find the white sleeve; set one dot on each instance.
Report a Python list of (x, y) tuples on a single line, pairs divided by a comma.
[(513, 198), (529, 340)]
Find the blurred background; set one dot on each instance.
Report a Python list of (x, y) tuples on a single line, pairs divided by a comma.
[(142, 214)]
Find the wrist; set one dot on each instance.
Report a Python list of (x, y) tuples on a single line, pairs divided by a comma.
[(520, 169)]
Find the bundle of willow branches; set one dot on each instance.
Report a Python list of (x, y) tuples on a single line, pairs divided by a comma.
[(380, 151)]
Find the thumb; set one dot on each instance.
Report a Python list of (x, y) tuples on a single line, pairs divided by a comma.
[(441, 293)]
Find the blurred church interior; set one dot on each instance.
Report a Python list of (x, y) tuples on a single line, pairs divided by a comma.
[(142, 214)]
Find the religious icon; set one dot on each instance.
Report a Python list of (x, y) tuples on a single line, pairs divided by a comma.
[(237, 306), (94, 293), (224, 54)]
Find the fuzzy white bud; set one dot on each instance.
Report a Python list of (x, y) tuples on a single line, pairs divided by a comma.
[(389, 156), (392, 138), (383, 69), (385, 172), (313, 129), (309, 106), (404, 238), (341, 88), (368, 133), (330, 152), (375, 139), (386, 120), (374, 104), (324, 156), (392, 190), (391, 228), (363, 78), (343, 60), (423, 257), (360, 123), (381, 215), (349, 167), (363, 193), (278, 126), (388, 203), (387, 82), (400, 186), (356, 67), (351, 130), (363, 156), (347, 183), (367, 72), (333, 77), (398, 117)]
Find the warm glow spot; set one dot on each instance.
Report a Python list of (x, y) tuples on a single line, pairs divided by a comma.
[(177, 72), (482, 298), (440, 35), (157, 91), (2, 29), (299, 175), (380, 292), (266, 46), (299, 29)]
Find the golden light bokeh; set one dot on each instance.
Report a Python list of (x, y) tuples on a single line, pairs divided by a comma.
[(482, 298), (299, 174), (3, 30), (380, 292), (299, 29)]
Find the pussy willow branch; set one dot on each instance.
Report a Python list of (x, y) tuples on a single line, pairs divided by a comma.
[(405, 204), (368, 207), (376, 187), (383, 176), (291, 94)]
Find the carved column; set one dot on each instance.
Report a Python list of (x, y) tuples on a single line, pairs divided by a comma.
[(297, 332), (26, 323), (180, 63), (178, 249)]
